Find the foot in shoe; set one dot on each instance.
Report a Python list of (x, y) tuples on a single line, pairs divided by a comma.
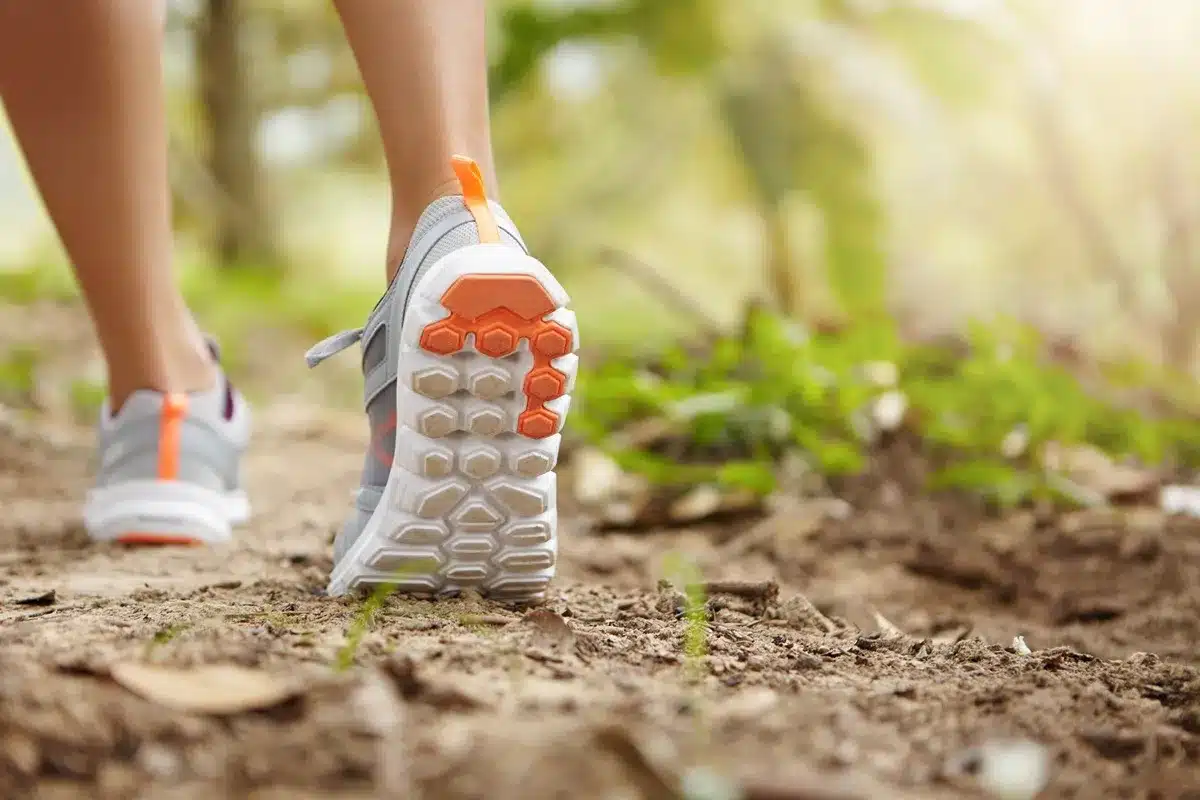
[(469, 360), (169, 470)]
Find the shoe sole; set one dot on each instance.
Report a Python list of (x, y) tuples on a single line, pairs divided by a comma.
[(160, 512), (486, 366)]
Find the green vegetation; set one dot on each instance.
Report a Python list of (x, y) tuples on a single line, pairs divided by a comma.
[(684, 575), (18, 374), (361, 624), (165, 635), (736, 409)]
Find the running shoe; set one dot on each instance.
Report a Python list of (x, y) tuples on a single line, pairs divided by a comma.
[(469, 360), (169, 468)]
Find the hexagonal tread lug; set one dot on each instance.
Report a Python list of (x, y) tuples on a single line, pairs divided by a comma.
[(514, 588), (439, 421), (496, 340), (406, 563), (476, 548), (486, 421), (435, 382), (420, 533), (537, 424), (440, 500), (545, 383), (412, 584), (476, 516), (482, 462), (467, 573), (533, 463), (490, 383), (521, 500), (443, 338), (525, 560), (437, 463), (526, 534), (553, 340)]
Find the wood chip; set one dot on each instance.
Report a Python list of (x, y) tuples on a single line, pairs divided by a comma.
[(469, 620), (213, 689), (751, 590), (885, 627), (43, 599)]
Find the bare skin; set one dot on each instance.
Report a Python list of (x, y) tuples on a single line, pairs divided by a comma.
[(424, 64), (82, 85)]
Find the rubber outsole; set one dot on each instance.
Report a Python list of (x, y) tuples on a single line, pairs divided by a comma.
[(486, 366)]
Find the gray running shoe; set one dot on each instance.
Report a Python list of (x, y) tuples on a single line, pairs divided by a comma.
[(468, 359), (169, 469)]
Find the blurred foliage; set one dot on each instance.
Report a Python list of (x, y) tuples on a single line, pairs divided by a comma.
[(737, 409), (768, 116)]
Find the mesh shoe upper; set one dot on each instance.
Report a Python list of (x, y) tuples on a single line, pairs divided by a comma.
[(212, 436)]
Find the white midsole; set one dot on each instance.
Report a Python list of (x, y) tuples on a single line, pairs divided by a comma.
[(173, 508)]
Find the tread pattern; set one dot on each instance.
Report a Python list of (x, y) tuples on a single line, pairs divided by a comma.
[(485, 375), (501, 310)]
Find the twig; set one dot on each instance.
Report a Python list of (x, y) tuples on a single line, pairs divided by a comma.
[(650, 279), (761, 591), (468, 620), (825, 622)]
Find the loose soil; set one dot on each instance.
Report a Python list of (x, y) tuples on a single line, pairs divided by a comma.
[(860, 656)]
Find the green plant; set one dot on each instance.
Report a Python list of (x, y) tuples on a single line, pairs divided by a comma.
[(38, 281), (683, 574), (361, 624), (165, 635), (18, 373)]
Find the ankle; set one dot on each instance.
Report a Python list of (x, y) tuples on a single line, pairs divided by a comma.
[(186, 367), (407, 208)]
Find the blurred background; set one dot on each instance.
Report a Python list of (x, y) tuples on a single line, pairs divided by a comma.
[(945, 159), (914, 171)]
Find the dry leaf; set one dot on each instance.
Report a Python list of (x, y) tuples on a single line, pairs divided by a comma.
[(1095, 472), (549, 624), (701, 502), (211, 689)]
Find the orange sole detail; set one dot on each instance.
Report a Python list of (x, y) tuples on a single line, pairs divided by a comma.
[(501, 310), (160, 539)]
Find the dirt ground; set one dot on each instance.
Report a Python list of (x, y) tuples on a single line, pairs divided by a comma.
[(883, 666)]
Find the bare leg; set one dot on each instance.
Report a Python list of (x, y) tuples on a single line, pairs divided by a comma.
[(82, 85), (424, 63)]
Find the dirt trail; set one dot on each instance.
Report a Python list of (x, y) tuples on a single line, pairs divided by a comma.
[(883, 692)]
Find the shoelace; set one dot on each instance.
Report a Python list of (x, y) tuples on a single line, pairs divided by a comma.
[(332, 345)]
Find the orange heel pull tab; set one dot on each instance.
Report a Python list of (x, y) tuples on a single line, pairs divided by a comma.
[(471, 181), (174, 409)]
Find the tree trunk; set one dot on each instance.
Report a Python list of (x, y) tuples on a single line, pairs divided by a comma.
[(230, 117), (781, 276)]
